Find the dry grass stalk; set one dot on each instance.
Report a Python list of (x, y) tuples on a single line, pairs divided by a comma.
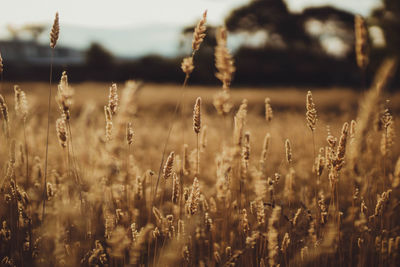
[(197, 116), (239, 124), (223, 59), (113, 99), (21, 105), (169, 163), (109, 123), (187, 65), (64, 96), (361, 36), (203, 138), (185, 160), (222, 102), (55, 31), (268, 110), (273, 245), (311, 113), (61, 128), (4, 113), (341, 149), (194, 197), (288, 151), (388, 133), (175, 188), (199, 33), (264, 151), (129, 133)]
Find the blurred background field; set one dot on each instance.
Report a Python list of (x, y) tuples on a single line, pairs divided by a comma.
[(296, 43)]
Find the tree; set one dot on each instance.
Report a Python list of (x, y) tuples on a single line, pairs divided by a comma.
[(98, 57), (274, 17), (387, 18)]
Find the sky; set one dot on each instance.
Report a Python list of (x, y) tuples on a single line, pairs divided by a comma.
[(123, 13)]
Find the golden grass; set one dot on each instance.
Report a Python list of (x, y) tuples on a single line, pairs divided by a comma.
[(222, 205)]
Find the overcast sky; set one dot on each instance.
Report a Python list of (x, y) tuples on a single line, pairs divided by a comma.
[(119, 13)]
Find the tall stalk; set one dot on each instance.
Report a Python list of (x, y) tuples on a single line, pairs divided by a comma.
[(53, 42)]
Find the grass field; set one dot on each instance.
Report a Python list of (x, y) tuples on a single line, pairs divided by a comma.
[(162, 175), (102, 208)]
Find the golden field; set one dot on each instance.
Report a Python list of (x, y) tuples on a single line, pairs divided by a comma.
[(102, 208)]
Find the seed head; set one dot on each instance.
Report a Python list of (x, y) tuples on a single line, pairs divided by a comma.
[(197, 116), (199, 32), (55, 31)]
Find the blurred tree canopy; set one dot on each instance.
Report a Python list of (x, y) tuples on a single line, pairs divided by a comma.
[(98, 57), (292, 53), (388, 19)]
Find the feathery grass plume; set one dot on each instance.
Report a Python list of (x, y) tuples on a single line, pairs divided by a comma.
[(361, 41), (296, 217), (353, 125), (55, 31), (61, 128), (288, 151), (129, 133), (311, 113), (223, 59), (367, 110), (285, 242), (64, 96), (245, 156), (167, 171), (244, 222), (113, 99), (222, 102), (49, 191), (240, 121), (273, 246), (127, 107), (109, 123), (197, 116), (268, 110), (1, 65), (21, 105), (341, 149), (199, 32), (193, 200), (4, 113), (4, 109), (330, 139), (388, 132), (323, 209), (175, 188), (187, 65), (381, 203), (246, 146), (264, 151)]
